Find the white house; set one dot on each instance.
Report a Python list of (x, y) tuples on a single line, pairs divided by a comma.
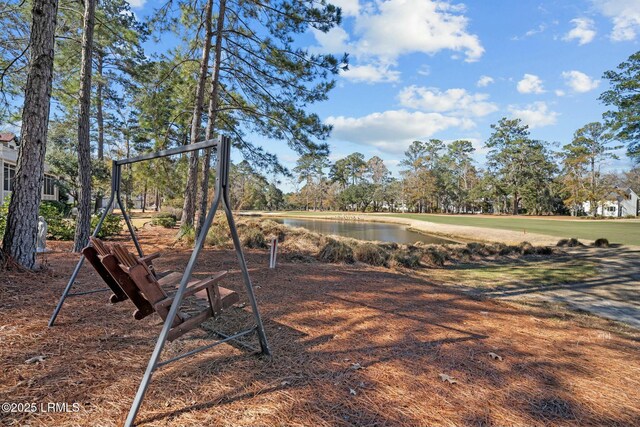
[(619, 203), (8, 161)]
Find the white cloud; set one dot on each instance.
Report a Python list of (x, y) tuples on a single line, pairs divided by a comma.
[(456, 101), (424, 70), (560, 92), (535, 31), (579, 82), (371, 74), (583, 31), (530, 83), (385, 30), (349, 7), (137, 3), (336, 40), (392, 131), (396, 27), (484, 81), (535, 115), (532, 32), (625, 15)]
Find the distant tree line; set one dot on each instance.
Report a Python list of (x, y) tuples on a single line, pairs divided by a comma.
[(521, 176)]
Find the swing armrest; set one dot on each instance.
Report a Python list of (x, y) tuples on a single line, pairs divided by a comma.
[(193, 288), (148, 258)]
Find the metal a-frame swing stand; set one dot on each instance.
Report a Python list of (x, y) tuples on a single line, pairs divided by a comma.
[(223, 146)]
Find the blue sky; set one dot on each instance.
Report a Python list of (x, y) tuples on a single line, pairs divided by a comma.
[(425, 69)]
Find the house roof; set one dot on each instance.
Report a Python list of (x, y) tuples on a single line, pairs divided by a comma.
[(617, 194), (7, 136)]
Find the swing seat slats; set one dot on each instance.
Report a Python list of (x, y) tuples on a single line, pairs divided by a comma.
[(133, 278)]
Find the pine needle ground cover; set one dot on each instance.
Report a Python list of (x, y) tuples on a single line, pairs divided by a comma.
[(352, 345)]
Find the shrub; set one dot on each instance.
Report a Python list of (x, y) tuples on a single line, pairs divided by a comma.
[(273, 230), (4, 209), (544, 250), (572, 242), (435, 257), (219, 233), (112, 225), (58, 227), (508, 250), (253, 238), (187, 234), (165, 219), (371, 254), (390, 246), (601, 243), (480, 249), (526, 248), (406, 259), (62, 208), (336, 251)]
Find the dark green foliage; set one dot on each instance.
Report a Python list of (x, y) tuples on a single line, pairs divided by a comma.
[(165, 219), (336, 251), (359, 195), (624, 95), (601, 243), (522, 166), (4, 210), (112, 225), (58, 227), (371, 254)]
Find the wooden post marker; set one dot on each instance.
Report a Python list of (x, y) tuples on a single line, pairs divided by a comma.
[(274, 253)]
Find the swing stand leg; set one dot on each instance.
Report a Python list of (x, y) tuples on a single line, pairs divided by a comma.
[(221, 194)]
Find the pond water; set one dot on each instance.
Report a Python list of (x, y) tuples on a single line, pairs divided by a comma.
[(363, 230)]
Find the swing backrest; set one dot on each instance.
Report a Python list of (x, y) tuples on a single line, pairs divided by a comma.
[(101, 256)]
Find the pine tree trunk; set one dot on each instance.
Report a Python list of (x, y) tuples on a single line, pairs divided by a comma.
[(19, 242), (99, 106), (190, 193), (81, 238), (99, 121), (212, 113), (144, 198)]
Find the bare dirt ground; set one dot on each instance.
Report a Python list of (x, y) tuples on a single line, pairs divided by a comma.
[(352, 345)]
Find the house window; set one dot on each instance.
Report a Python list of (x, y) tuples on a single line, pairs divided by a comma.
[(611, 209), (49, 185), (9, 174)]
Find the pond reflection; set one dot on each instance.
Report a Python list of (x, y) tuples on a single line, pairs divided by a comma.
[(363, 230)]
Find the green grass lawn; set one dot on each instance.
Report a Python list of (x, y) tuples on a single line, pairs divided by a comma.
[(500, 275), (616, 231)]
